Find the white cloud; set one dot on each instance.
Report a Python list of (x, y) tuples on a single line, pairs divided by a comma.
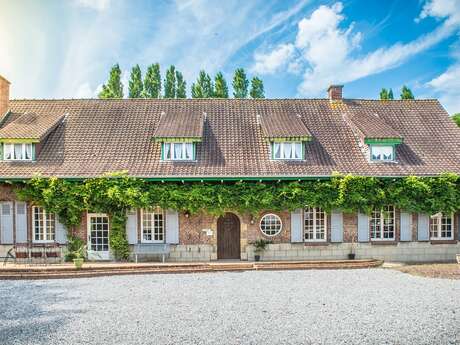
[(98, 5), (273, 61), (447, 87), (84, 91), (330, 53)]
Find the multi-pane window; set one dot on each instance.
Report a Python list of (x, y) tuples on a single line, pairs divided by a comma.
[(271, 225), (382, 223), (17, 152), (382, 153), (441, 227), (287, 150), (178, 151), (153, 226), (314, 224), (44, 225)]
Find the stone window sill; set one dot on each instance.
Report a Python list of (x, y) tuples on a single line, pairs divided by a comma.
[(316, 244), (443, 241), (384, 243)]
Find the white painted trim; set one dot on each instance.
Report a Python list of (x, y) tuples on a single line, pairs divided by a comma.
[(183, 151), (23, 152), (452, 229), (93, 254), (142, 228), (381, 238), (315, 210), (44, 213), (275, 215)]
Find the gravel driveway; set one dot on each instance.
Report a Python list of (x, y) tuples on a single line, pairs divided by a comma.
[(374, 306)]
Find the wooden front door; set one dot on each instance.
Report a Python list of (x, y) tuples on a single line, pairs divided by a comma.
[(228, 237)]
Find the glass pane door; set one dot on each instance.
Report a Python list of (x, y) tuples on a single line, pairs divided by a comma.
[(98, 237)]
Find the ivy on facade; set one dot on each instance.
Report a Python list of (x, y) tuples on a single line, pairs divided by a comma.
[(115, 194)]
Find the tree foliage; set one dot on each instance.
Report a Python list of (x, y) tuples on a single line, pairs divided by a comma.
[(240, 84), (220, 86), (203, 87), (152, 82), (386, 94), (456, 118), (170, 82), (257, 88), (136, 86), (181, 86), (406, 93), (114, 86)]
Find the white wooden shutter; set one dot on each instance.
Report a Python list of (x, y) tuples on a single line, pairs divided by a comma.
[(296, 226), (423, 227), (131, 227), (363, 227), (406, 226), (336, 226), (172, 227), (6, 222), (21, 222), (61, 232)]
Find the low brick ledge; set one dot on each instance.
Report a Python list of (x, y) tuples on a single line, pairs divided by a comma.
[(97, 270)]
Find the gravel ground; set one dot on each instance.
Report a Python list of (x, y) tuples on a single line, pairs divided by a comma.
[(374, 306)]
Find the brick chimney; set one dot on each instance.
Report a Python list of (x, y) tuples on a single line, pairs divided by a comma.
[(4, 95), (335, 92)]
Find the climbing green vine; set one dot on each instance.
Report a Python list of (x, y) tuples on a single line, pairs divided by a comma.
[(115, 194)]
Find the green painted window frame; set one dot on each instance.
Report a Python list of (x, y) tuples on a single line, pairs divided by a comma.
[(302, 152), (393, 146), (2, 150), (178, 160)]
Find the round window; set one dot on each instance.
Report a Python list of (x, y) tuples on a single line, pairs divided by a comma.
[(271, 224)]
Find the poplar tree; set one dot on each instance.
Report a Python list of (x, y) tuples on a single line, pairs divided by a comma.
[(456, 118), (240, 84), (384, 94), (170, 82), (203, 87), (114, 86), (220, 86), (181, 90), (135, 83), (152, 82), (390, 94), (257, 88), (406, 93)]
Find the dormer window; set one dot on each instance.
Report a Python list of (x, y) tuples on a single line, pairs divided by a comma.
[(287, 150), (18, 152), (382, 153), (178, 151)]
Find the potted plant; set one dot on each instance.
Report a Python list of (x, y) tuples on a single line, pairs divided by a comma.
[(352, 255), (259, 247), (79, 257)]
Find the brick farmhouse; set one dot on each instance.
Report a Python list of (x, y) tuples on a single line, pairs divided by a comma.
[(224, 141)]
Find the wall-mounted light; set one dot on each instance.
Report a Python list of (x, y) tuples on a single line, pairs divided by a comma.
[(187, 214), (252, 220)]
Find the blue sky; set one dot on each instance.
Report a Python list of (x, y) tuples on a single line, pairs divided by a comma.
[(64, 49)]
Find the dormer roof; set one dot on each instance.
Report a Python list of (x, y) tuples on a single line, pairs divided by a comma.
[(180, 124), (282, 125)]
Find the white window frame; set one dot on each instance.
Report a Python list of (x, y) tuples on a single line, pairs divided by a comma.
[(382, 224), (281, 145), (152, 220), (10, 147), (439, 224), (276, 216), (44, 227), (183, 151), (315, 211), (372, 147)]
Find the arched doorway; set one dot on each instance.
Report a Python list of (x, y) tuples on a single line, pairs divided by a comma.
[(228, 237)]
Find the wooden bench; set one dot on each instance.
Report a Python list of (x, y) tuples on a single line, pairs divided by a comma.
[(152, 249)]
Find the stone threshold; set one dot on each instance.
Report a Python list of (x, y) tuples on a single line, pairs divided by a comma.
[(61, 271)]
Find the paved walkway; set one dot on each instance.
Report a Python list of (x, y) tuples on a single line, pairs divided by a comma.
[(369, 306), (91, 269)]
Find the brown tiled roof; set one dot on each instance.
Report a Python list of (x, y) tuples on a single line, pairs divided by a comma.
[(180, 122), (30, 125), (370, 124), (100, 136), (283, 122)]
